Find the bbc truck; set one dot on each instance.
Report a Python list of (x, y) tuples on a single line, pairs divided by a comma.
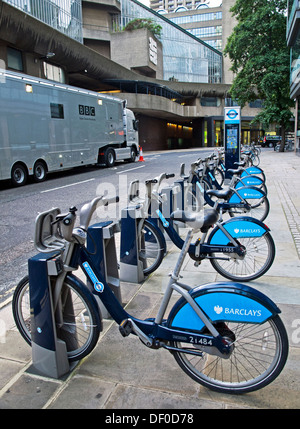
[(47, 126)]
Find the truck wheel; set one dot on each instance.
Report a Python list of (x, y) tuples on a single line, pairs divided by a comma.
[(19, 175), (39, 171), (109, 158), (132, 154)]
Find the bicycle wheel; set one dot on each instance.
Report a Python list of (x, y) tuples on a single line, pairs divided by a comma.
[(219, 176), (259, 355), (260, 254), (152, 247), (194, 197), (259, 209), (79, 330), (255, 160)]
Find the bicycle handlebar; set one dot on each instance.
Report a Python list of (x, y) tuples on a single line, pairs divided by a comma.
[(88, 209), (53, 229)]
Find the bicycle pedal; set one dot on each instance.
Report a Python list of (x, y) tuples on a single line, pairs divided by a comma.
[(125, 328)]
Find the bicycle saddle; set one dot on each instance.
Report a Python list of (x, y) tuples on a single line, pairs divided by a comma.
[(223, 194), (196, 220), (238, 171)]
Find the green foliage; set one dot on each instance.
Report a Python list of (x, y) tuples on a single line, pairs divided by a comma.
[(260, 58), (144, 23)]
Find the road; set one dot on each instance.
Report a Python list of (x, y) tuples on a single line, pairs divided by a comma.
[(20, 206)]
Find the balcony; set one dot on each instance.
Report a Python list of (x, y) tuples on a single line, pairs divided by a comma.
[(113, 5), (96, 32)]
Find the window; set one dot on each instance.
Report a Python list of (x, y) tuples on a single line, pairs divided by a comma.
[(14, 59), (54, 73), (257, 104), (57, 111), (210, 101), (229, 102)]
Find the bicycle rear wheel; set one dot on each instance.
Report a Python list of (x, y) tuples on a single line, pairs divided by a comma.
[(260, 254), (259, 355), (80, 330), (259, 209)]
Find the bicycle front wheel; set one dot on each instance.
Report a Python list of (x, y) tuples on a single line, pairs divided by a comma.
[(260, 254), (255, 160), (79, 326), (152, 247), (259, 355)]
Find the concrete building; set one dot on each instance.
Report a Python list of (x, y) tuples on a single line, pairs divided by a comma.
[(172, 5), (174, 82), (293, 40)]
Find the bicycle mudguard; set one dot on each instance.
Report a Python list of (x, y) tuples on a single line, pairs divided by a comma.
[(250, 180), (222, 302), (246, 192), (252, 170), (239, 227)]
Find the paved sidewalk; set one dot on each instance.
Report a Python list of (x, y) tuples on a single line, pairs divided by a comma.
[(121, 373)]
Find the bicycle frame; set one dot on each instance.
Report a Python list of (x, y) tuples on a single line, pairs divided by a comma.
[(236, 181), (156, 333), (151, 332), (201, 249), (236, 200), (216, 243)]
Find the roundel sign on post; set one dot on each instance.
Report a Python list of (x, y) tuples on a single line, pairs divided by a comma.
[(232, 115), (232, 129)]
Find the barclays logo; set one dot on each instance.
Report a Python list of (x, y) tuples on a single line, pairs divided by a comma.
[(247, 231), (218, 309), (237, 311)]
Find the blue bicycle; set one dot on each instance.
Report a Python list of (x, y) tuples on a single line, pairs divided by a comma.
[(226, 336), (240, 249)]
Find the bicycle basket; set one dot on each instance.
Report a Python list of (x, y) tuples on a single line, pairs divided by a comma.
[(47, 236)]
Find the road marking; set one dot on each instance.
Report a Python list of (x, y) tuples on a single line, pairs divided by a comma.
[(66, 186), (130, 169)]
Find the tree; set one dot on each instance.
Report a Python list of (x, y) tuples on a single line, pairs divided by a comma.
[(260, 59)]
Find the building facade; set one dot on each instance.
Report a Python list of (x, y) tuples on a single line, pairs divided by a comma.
[(154, 73), (171, 5), (203, 22), (185, 58), (213, 25), (293, 41), (63, 15)]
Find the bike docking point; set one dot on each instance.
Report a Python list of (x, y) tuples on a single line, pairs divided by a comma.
[(49, 354), (102, 236), (131, 263), (172, 199)]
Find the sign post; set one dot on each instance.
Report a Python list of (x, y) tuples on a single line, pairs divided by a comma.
[(232, 132)]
